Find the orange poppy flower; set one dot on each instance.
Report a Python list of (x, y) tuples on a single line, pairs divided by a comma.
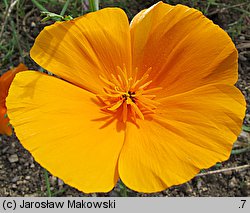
[(151, 103), (5, 81)]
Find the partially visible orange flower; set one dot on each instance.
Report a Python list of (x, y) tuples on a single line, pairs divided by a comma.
[(151, 103), (5, 81)]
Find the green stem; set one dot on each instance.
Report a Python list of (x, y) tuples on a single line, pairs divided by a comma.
[(39, 6), (94, 5), (65, 8), (46, 175), (16, 39)]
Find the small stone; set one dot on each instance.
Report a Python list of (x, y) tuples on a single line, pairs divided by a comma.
[(32, 195), (33, 24), (232, 183), (15, 179), (19, 182), (186, 188), (228, 173), (27, 178), (5, 149), (199, 184), (13, 158), (244, 136), (60, 182), (14, 186), (189, 188), (204, 189), (52, 180), (32, 165), (242, 38)]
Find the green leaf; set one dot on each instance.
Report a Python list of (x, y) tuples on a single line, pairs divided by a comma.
[(218, 165), (51, 16), (55, 17), (67, 18), (246, 128), (46, 175)]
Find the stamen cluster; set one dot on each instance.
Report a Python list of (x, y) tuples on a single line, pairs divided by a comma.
[(130, 94)]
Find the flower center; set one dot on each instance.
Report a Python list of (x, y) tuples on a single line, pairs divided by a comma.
[(129, 95)]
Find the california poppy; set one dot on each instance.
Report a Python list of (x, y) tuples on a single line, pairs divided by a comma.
[(150, 103), (5, 81)]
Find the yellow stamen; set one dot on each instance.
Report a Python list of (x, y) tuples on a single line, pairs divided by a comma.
[(115, 106)]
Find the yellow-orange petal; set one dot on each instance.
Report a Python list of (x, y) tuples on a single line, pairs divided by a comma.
[(189, 132), (184, 48), (5, 81), (61, 125), (82, 49)]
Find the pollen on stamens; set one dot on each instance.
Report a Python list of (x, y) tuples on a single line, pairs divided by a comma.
[(128, 94)]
